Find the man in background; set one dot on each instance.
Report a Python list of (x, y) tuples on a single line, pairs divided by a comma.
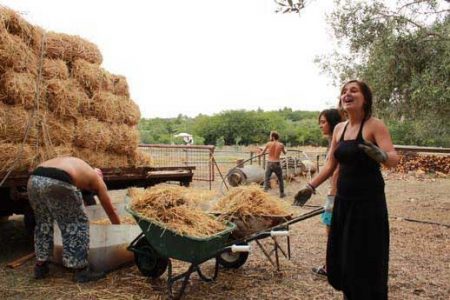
[(274, 148)]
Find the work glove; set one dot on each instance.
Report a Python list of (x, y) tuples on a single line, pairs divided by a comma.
[(374, 152), (303, 195)]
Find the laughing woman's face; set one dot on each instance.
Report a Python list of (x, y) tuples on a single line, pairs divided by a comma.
[(352, 98)]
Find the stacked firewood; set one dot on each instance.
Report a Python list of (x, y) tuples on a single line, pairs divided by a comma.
[(423, 163)]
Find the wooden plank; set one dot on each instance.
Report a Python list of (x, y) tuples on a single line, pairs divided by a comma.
[(20, 261)]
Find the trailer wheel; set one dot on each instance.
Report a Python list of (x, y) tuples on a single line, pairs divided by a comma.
[(149, 263), (232, 260)]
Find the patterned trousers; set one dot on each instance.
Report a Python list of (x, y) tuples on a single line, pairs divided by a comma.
[(55, 200)]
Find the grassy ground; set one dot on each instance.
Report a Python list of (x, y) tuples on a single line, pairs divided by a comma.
[(419, 263)]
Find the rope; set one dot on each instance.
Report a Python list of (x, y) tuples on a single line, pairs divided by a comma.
[(422, 221), (33, 114)]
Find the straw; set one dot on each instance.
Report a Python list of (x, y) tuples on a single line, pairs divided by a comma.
[(91, 76), (92, 134), (169, 206), (64, 97), (70, 48), (248, 201), (54, 69), (15, 54), (19, 88), (126, 139)]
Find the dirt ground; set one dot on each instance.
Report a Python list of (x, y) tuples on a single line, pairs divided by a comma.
[(419, 257)]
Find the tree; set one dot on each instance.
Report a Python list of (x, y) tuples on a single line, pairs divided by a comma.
[(403, 54)]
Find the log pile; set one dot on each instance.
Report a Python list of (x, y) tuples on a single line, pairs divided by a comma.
[(56, 99), (423, 163)]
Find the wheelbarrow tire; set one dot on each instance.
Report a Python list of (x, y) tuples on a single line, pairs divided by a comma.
[(231, 260), (149, 263)]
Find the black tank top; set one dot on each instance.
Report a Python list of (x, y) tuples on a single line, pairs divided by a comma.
[(359, 175)]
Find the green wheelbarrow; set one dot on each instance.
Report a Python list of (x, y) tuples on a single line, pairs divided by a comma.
[(155, 247)]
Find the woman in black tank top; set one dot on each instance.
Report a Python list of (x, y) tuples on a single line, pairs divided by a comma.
[(358, 244)]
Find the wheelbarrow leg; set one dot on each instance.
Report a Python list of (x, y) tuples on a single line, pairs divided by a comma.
[(209, 279), (265, 252), (172, 279)]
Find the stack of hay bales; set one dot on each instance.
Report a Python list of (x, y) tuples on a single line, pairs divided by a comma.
[(56, 99)]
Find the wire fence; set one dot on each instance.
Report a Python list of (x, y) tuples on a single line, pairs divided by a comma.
[(211, 163), (183, 155)]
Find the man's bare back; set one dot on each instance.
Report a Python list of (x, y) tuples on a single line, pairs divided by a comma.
[(85, 177), (274, 149)]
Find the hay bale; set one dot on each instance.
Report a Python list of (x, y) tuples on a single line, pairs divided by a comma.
[(104, 106), (45, 128), (92, 134), (16, 25), (54, 69), (46, 152), (91, 76), (101, 159), (140, 158), (111, 108), (13, 124), (15, 54), (126, 139), (20, 88), (120, 85), (70, 48), (14, 154), (64, 97), (128, 112), (55, 131)]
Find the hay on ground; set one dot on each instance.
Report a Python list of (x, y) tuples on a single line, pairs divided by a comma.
[(70, 48), (92, 134), (168, 206), (123, 221), (54, 69)]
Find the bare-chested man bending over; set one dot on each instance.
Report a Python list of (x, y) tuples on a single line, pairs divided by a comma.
[(274, 149), (54, 193)]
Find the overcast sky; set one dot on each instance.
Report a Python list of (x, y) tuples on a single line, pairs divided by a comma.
[(201, 56)]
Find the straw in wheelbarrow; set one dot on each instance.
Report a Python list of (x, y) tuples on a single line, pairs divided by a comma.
[(174, 207), (251, 209), (251, 200)]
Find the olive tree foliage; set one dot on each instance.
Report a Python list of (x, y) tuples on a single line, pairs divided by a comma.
[(289, 6), (403, 53)]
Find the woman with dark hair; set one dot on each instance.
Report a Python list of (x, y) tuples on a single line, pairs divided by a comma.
[(358, 244), (328, 119)]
